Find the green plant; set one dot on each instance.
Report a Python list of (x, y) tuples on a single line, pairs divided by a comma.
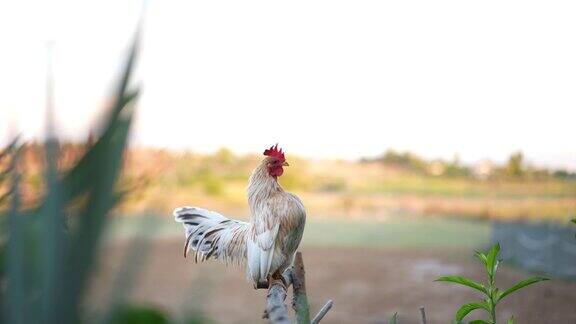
[(50, 250), (393, 319), (138, 315), (48, 263), (492, 294)]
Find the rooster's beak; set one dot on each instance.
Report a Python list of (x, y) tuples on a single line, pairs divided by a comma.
[(285, 164)]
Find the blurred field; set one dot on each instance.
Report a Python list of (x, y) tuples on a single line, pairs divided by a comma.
[(378, 233), (374, 189), (371, 270), (398, 232), (159, 180)]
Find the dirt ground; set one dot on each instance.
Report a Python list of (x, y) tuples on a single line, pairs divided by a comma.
[(367, 286)]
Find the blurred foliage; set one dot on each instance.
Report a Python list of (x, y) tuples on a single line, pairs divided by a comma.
[(130, 314), (48, 244), (515, 165), (138, 315), (158, 180), (211, 183), (48, 263)]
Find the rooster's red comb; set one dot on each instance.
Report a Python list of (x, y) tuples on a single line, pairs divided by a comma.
[(274, 152)]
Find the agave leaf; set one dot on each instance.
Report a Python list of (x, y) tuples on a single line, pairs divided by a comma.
[(93, 219), (53, 236), (467, 308), (5, 196), (78, 179), (511, 320), (491, 259), (96, 174), (16, 292), (10, 147), (521, 285), (463, 281)]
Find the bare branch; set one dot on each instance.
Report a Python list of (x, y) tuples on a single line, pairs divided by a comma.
[(276, 311), (300, 299), (323, 311), (275, 308)]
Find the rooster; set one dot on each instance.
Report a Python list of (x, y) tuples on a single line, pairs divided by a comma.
[(266, 244)]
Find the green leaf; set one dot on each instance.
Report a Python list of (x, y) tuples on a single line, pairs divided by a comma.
[(496, 292), (53, 234), (491, 259), (463, 281), (511, 320), (467, 308), (521, 285), (478, 322), (96, 175), (394, 319), (573, 220), (481, 256)]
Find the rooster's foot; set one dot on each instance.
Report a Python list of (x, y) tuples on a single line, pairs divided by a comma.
[(278, 278)]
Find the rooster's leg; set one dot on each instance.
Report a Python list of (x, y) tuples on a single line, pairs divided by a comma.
[(277, 277)]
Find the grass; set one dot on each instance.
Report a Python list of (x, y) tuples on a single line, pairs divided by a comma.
[(460, 187), (408, 233), (423, 233)]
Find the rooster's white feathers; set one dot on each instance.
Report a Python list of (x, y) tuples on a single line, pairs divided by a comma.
[(266, 244)]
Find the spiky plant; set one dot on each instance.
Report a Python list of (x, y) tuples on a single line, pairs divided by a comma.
[(46, 263)]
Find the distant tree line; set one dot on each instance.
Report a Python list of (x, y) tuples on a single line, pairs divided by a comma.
[(515, 167)]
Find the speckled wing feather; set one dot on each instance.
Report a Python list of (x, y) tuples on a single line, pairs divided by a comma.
[(277, 226), (212, 235), (261, 245)]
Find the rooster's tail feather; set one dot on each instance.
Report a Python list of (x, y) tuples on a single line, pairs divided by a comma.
[(212, 235)]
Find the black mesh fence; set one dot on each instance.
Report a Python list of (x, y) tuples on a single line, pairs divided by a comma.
[(545, 248)]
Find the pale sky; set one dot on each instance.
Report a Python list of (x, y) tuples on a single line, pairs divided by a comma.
[(337, 79)]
